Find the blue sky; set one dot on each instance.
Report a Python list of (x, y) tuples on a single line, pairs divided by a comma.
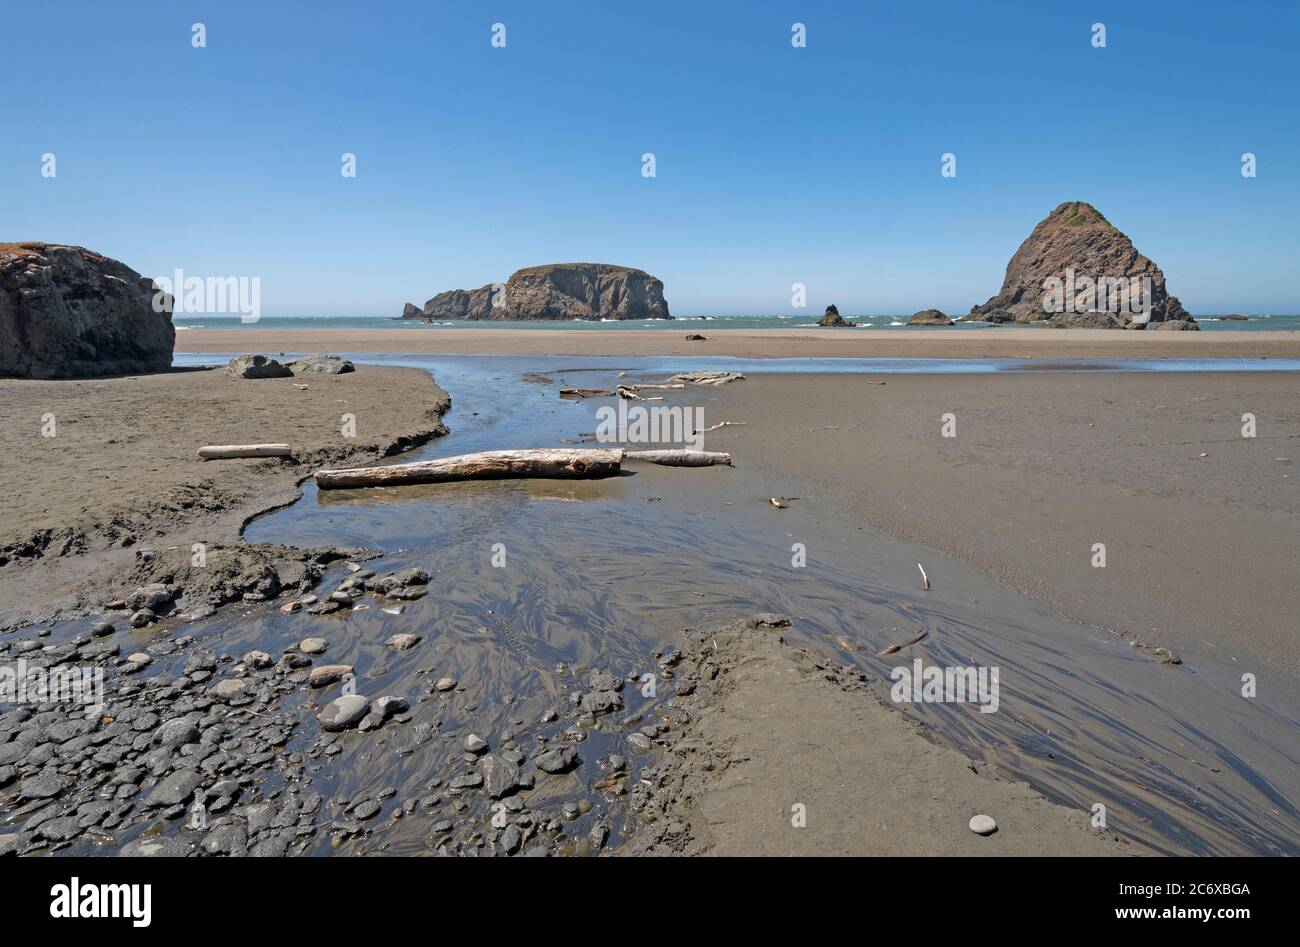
[(775, 165)]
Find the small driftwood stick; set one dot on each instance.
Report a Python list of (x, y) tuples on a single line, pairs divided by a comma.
[(586, 393), (899, 647), (924, 578), (560, 463), (722, 424), (225, 451), (680, 458)]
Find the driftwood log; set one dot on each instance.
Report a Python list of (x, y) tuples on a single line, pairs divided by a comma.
[(680, 458), (586, 393), (561, 463), (225, 451)]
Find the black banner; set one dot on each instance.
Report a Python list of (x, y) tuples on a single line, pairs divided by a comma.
[(139, 897)]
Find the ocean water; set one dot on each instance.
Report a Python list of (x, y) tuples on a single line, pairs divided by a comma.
[(1208, 323)]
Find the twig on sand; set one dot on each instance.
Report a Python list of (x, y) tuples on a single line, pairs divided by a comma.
[(924, 578), (899, 647), (721, 424)]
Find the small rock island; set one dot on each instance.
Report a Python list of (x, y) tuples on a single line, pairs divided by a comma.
[(556, 291)]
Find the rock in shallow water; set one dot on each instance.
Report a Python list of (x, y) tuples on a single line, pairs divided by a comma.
[(175, 789), (559, 760), (343, 712), (328, 674), (501, 776)]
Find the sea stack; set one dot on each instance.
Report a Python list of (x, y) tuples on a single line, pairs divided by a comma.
[(1077, 270), (557, 291), (833, 318), (69, 312), (929, 317)]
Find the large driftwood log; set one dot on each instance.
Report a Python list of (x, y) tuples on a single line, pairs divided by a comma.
[(680, 458), (562, 463), (224, 451), (586, 393)]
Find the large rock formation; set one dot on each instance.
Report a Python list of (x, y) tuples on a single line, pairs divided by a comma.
[(462, 304), (68, 312), (555, 291), (1076, 269), (929, 317), (833, 318)]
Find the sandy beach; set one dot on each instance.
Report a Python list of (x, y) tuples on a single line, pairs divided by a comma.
[(779, 734), (1199, 523), (755, 343), (442, 431), (119, 472)]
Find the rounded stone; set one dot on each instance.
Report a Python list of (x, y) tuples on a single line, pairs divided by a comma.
[(344, 712), (983, 825)]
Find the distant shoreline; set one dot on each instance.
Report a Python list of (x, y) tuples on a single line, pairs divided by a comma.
[(189, 322), (1021, 342)]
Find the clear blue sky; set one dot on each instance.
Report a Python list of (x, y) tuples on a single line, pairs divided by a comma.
[(774, 164)]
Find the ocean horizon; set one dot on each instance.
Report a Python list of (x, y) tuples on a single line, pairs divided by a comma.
[(184, 321)]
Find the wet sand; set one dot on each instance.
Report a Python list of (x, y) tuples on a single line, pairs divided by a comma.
[(1201, 551), (789, 754), (753, 343), (602, 577), (120, 472)]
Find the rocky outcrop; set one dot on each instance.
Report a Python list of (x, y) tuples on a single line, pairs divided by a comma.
[(833, 318), (929, 317), (262, 366), (557, 291), (257, 366), (1076, 269), (68, 312), (321, 365), (462, 304)]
